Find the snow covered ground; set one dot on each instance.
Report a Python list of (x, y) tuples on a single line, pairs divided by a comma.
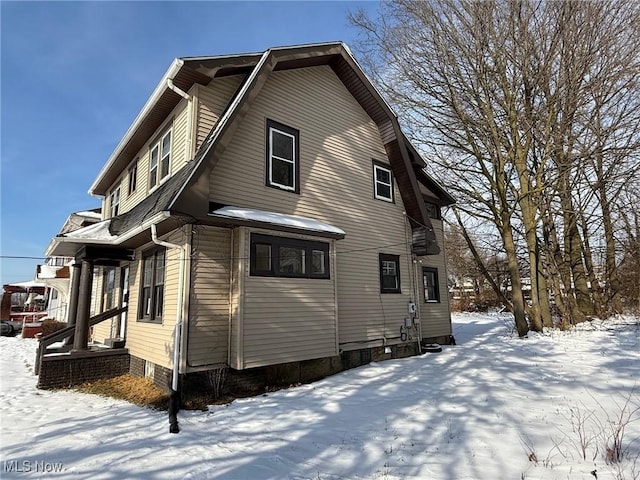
[(492, 407)]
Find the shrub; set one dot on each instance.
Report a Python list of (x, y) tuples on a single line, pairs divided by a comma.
[(50, 326)]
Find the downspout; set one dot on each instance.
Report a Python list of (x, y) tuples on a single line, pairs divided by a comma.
[(189, 99), (174, 400)]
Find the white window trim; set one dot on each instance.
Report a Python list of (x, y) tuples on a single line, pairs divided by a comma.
[(115, 194), (291, 188), (377, 167), (158, 145), (132, 173)]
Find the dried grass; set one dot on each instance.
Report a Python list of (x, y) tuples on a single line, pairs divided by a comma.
[(138, 390)]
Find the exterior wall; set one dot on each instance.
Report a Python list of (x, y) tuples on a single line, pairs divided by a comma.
[(286, 319), (212, 102), (179, 122), (338, 142), (208, 326), (154, 341), (435, 317)]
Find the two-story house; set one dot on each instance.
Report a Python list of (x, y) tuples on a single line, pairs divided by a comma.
[(263, 212)]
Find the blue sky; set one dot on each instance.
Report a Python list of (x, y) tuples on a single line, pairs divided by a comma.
[(75, 74)]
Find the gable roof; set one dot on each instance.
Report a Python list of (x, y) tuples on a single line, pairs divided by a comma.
[(189, 193)]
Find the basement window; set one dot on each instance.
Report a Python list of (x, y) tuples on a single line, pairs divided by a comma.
[(288, 257)]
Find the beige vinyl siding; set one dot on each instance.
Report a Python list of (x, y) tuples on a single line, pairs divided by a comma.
[(338, 142), (435, 317), (208, 330), (154, 341), (212, 102), (235, 305), (286, 319), (179, 122)]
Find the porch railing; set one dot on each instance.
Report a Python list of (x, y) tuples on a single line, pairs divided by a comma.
[(69, 331)]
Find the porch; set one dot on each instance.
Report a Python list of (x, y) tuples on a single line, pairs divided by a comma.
[(66, 358), (59, 364)]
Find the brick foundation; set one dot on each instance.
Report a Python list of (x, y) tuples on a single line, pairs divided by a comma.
[(75, 368), (259, 379), (62, 371)]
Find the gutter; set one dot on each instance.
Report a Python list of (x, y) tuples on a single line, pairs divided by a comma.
[(174, 401), (170, 74)]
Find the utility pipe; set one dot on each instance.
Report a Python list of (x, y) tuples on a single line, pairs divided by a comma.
[(174, 401)]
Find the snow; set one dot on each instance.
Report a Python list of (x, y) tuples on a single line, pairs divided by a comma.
[(277, 219), (96, 232), (89, 214), (477, 410)]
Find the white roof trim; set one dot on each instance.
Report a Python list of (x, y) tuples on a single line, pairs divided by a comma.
[(280, 219)]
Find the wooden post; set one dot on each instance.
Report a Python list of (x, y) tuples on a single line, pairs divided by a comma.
[(74, 294), (84, 305)]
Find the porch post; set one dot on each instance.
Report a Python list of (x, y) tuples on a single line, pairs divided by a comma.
[(74, 293), (84, 305)]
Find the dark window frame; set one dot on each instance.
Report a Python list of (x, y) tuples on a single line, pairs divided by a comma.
[(383, 166), (435, 286), (433, 210), (272, 125), (156, 310), (382, 259), (275, 243)]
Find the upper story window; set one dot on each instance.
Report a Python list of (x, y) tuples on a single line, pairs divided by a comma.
[(382, 182), (133, 177), (389, 273), (159, 160), (283, 157), (433, 210), (431, 287), (152, 285), (114, 202), (288, 257)]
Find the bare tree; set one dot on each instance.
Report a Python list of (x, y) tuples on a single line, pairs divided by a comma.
[(520, 105)]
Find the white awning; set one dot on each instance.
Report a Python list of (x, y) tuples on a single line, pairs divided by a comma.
[(277, 219)]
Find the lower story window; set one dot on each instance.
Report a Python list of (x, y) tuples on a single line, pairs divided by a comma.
[(430, 281), (288, 257), (152, 291), (389, 273), (108, 288)]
